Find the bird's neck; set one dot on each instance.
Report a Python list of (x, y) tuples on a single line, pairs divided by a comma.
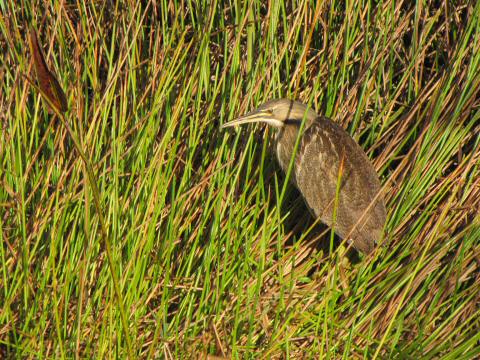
[(286, 139)]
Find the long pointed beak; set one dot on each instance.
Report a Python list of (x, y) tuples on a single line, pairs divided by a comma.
[(256, 116)]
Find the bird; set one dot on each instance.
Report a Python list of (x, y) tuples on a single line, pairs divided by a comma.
[(332, 172)]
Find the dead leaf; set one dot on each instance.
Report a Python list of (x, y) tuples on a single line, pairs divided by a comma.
[(47, 81)]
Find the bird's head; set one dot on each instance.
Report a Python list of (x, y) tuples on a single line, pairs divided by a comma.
[(277, 113)]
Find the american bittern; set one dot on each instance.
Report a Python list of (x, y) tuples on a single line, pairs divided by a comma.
[(330, 169)]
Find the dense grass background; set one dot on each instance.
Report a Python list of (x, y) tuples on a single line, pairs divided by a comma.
[(214, 251)]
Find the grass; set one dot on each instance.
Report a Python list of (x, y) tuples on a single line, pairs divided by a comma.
[(213, 250)]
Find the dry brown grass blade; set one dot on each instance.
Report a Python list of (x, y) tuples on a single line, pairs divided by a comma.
[(47, 81)]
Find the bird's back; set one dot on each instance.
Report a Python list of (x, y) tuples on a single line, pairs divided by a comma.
[(327, 156)]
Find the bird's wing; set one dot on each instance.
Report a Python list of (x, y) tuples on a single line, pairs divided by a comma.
[(328, 156), (316, 169)]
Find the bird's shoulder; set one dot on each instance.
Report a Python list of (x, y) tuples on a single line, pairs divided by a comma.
[(328, 140), (332, 136), (327, 150)]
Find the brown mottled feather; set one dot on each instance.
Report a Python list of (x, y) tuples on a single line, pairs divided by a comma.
[(47, 81), (322, 148)]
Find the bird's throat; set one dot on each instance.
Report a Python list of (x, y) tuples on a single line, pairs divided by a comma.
[(286, 139)]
